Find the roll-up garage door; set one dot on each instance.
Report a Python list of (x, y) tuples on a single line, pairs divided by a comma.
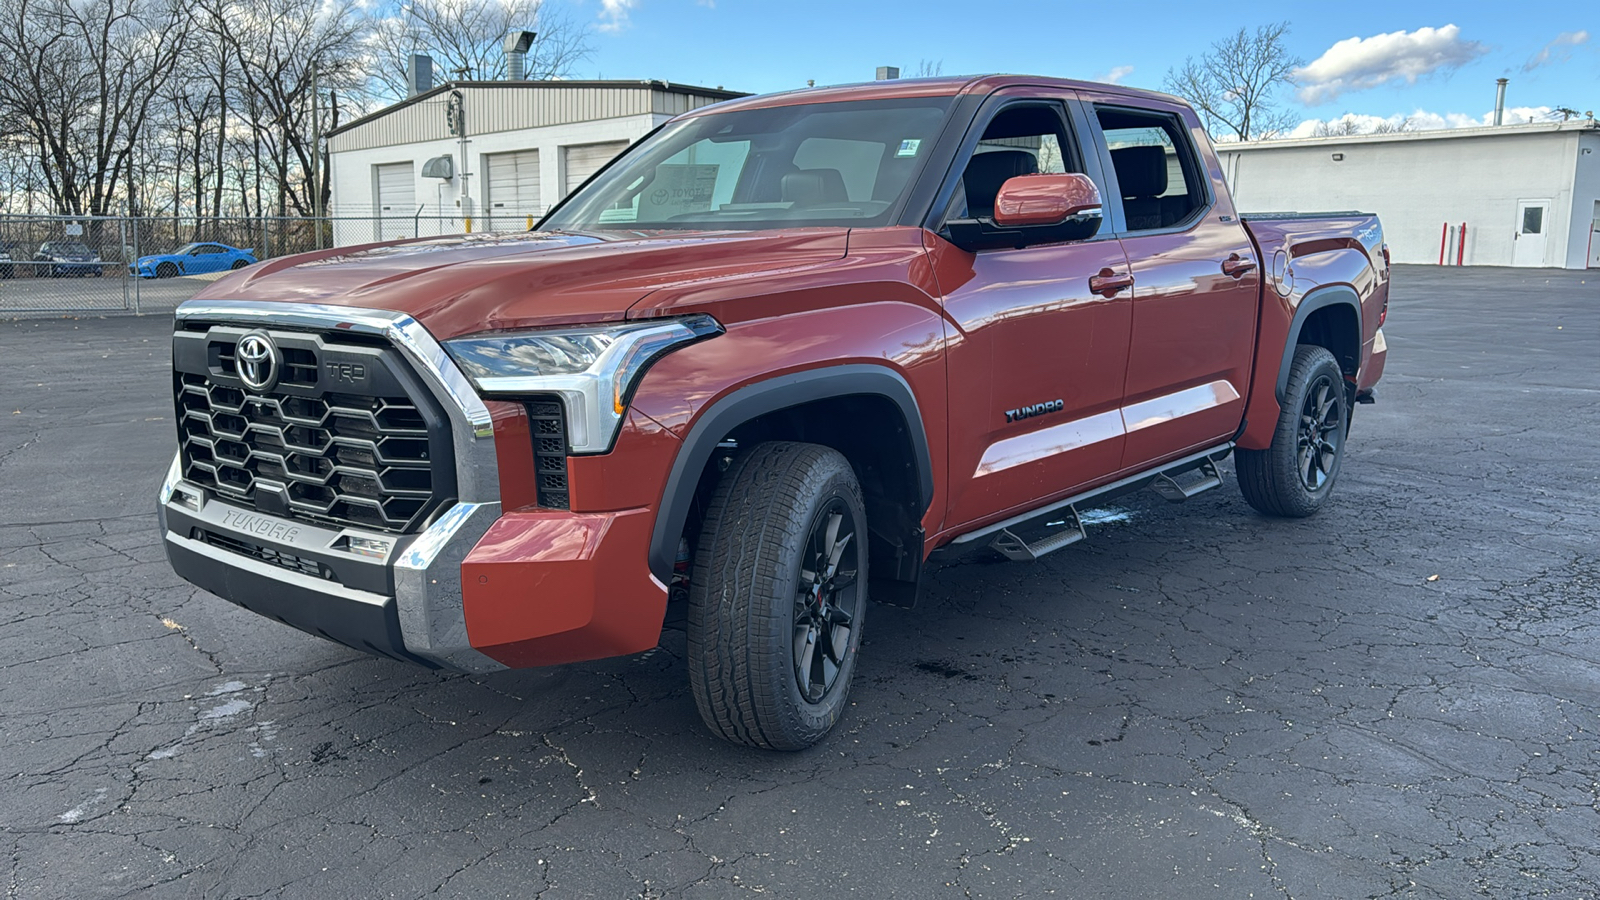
[(584, 159), (513, 190), (397, 201)]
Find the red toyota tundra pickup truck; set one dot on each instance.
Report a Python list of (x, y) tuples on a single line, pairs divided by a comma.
[(765, 363)]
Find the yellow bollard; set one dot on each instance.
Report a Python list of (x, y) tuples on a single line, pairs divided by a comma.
[(468, 220)]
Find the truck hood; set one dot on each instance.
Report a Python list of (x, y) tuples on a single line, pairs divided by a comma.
[(469, 283)]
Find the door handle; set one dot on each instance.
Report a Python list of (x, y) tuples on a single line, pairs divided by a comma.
[(1106, 282), (1236, 266)]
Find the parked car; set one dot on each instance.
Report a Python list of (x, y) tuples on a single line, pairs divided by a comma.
[(765, 364), (193, 259), (59, 259), (7, 256)]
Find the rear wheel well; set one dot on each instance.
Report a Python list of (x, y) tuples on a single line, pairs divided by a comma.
[(871, 431), (1337, 328)]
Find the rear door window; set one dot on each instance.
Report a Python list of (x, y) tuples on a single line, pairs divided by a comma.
[(1157, 176)]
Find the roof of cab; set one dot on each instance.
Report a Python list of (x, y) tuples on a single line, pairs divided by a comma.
[(947, 86)]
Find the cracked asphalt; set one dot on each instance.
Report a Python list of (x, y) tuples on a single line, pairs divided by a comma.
[(1397, 697)]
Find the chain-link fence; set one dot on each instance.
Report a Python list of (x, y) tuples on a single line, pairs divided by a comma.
[(59, 264)]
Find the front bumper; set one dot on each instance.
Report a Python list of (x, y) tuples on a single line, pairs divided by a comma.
[(474, 591)]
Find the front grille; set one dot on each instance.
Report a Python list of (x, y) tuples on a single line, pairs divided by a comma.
[(370, 452), (547, 422), (278, 558)]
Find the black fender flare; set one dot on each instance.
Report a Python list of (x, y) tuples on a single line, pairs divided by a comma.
[(1318, 298), (753, 400)]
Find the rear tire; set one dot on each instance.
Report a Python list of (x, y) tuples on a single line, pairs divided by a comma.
[(778, 596), (1295, 475), (238, 264)]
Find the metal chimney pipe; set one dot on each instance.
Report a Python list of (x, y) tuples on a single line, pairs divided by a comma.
[(1499, 100), (516, 47)]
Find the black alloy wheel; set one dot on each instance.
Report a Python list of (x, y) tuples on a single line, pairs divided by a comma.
[(1294, 476), (826, 601), (778, 596), (166, 270), (1321, 432)]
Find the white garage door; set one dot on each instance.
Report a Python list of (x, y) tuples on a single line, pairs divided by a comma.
[(397, 201), (584, 159), (513, 190)]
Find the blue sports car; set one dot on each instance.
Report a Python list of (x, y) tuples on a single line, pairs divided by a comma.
[(193, 259)]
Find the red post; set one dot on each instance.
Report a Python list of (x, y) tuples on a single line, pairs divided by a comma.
[(1444, 232), (1461, 248)]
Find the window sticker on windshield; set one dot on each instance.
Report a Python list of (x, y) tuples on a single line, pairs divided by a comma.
[(678, 189), (908, 147)]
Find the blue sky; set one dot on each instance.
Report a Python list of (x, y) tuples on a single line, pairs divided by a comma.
[(1408, 62)]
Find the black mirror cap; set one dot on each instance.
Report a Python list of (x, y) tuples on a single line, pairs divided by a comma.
[(982, 233)]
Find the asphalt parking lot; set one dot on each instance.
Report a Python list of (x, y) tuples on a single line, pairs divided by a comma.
[(1398, 697)]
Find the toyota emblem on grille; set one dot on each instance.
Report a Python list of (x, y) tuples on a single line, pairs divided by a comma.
[(258, 361)]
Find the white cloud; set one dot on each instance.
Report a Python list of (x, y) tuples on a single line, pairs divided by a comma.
[(614, 14), (1420, 120), (1118, 73), (1558, 50), (1356, 64)]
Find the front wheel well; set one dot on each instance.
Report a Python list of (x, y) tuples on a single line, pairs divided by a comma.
[(871, 432)]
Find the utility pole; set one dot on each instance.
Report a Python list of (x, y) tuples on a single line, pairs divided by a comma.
[(316, 155), (458, 112)]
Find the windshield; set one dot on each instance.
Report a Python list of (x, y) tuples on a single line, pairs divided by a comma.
[(814, 164), (67, 247), (184, 249)]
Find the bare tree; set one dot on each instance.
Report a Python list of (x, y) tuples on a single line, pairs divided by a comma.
[(465, 37), (280, 48), (928, 68), (81, 79), (1235, 84)]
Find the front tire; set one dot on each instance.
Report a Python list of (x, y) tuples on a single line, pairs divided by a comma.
[(166, 270), (778, 596), (1295, 475)]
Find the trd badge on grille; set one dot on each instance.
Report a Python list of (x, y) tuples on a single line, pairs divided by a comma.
[(258, 361)]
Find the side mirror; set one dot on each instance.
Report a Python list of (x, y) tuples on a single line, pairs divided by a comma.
[(1028, 200), (1033, 209)]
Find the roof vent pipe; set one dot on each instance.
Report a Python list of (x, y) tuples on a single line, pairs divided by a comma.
[(1499, 100), (516, 48), (419, 74)]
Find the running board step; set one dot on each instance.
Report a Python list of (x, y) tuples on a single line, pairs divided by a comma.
[(1015, 548), (1170, 489)]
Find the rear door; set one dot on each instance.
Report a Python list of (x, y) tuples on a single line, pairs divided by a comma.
[(1196, 281), (1036, 358), (397, 200), (514, 190)]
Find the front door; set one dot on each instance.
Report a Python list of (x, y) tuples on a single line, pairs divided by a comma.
[(1533, 221), (1036, 358), (1196, 290)]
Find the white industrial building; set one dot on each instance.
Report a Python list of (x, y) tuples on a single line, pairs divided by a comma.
[(401, 172), (1528, 195)]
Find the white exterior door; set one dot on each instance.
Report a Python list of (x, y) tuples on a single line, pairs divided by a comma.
[(1533, 221), (397, 201), (582, 160), (513, 190)]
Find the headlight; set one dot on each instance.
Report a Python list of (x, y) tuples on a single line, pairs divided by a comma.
[(594, 369)]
